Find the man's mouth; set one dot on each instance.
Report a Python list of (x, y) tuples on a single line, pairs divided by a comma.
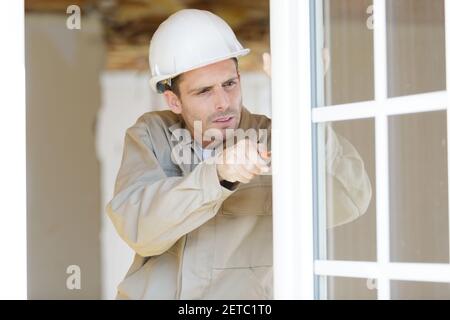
[(223, 119)]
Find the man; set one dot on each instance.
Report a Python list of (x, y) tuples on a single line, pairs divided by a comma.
[(200, 230), (192, 198)]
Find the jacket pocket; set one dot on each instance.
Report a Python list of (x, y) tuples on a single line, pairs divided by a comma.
[(241, 283), (243, 241)]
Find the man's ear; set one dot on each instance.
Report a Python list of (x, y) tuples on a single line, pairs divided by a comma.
[(173, 101)]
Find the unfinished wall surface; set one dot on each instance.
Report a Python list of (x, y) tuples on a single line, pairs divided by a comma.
[(63, 191)]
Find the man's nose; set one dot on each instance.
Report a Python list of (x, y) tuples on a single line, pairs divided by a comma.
[(222, 100)]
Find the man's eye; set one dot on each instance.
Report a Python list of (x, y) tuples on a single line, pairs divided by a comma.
[(229, 83), (203, 91)]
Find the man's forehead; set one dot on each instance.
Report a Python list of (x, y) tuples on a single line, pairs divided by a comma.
[(210, 75)]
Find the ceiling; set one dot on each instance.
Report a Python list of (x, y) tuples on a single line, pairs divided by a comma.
[(129, 25)]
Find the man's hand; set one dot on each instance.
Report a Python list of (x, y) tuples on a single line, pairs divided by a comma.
[(242, 162)]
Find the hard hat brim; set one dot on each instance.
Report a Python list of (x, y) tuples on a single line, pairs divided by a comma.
[(154, 80)]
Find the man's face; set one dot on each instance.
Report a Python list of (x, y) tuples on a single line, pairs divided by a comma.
[(212, 95)]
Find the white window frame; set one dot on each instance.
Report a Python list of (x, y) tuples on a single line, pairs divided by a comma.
[(293, 121), (13, 240)]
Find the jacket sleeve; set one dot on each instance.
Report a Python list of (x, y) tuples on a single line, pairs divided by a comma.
[(150, 210)]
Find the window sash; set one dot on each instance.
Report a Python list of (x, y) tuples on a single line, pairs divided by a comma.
[(294, 131)]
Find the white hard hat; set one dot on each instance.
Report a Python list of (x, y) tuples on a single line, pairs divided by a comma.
[(190, 39)]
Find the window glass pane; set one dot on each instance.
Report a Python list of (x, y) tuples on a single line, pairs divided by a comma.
[(419, 290), (345, 52), (415, 46), (346, 223), (418, 188), (340, 288)]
